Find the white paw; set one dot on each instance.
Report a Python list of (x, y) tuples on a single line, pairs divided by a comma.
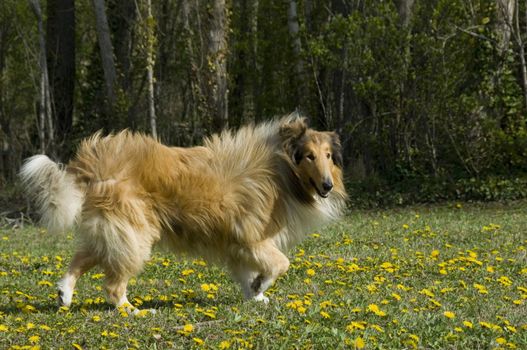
[(261, 297), (65, 294), (144, 313)]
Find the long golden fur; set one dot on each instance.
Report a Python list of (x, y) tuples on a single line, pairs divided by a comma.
[(242, 200)]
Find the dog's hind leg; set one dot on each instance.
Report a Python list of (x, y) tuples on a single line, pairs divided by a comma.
[(81, 263), (115, 286), (119, 269)]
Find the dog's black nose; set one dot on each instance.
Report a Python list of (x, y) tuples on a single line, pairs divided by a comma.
[(327, 185)]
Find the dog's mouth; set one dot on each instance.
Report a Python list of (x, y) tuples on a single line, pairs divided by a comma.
[(319, 192)]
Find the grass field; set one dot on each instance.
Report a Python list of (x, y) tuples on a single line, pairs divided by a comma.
[(444, 277)]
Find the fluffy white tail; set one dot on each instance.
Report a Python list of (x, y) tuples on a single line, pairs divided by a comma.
[(56, 196)]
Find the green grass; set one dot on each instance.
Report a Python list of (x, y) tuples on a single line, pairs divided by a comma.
[(441, 277)]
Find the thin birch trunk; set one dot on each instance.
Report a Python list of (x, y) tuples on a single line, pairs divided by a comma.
[(150, 69), (217, 53)]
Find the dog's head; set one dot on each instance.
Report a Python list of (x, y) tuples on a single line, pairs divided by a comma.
[(315, 155)]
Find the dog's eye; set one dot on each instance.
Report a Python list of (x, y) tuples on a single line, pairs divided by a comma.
[(310, 156), (328, 155)]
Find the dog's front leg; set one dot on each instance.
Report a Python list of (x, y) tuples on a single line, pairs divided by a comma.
[(259, 267)]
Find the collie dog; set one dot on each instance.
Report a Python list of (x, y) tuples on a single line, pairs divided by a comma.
[(242, 200)]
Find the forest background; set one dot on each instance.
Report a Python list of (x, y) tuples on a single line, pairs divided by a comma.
[(429, 96)]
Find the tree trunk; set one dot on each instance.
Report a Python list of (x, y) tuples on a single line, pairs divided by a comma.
[(122, 19), (217, 56), (294, 32), (404, 8), (255, 91), (196, 95), (397, 133), (150, 62), (242, 96), (44, 107), (106, 48), (504, 23), (521, 48), (61, 64)]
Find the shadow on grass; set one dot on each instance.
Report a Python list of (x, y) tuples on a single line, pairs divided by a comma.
[(53, 307)]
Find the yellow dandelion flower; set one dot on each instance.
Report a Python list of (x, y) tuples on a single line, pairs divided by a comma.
[(28, 309), (377, 328), (501, 340), (142, 313), (97, 276), (358, 343), (187, 272), (198, 341), (375, 309), (3, 328), (356, 326), (481, 288), (188, 328), (504, 280), (34, 339), (387, 266), (225, 345), (76, 346), (310, 272), (449, 314), (427, 292), (324, 314)]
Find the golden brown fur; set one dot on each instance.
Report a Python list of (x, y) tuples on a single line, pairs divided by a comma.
[(242, 199)]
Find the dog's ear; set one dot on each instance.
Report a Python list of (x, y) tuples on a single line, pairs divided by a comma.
[(291, 131), (336, 149), (293, 128)]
